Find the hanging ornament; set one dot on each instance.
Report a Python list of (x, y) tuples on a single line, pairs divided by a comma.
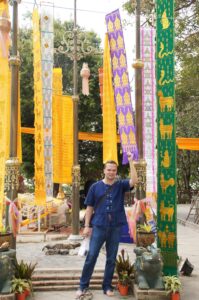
[(85, 74)]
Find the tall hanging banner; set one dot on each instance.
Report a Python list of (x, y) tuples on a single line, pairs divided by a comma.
[(47, 48), (62, 132), (4, 96), (109, 113), (40, 186), (121, 84), (167, 237), (149, 109)]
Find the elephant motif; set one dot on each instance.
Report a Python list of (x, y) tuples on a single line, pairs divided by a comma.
[(148, 266)]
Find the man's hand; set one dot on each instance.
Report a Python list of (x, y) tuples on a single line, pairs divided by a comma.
[(87, 232), (133, 173), (129, 155)]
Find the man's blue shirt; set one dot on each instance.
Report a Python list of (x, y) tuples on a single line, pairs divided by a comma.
[(111, 211)]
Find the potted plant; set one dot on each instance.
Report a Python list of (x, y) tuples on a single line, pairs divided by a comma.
[(144, 235), (173, 286), (25, 271), (124, 269), (123, 283), (19, 286)]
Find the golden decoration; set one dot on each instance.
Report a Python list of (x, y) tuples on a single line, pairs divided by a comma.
[(166, 160), (129, 119), (120, 42), (132, 138), (121, 118), (124, 138), (125, 78), (138, 64), (165, 130), (122, 60), (166, 211), (119, 99), (165, 102), (113, 44), (161, 54), (165, 20), (166, 183), (117, 23), (127, 100), (110, 26), (115, 62), (117, 81), (163, 82), (46, 18)]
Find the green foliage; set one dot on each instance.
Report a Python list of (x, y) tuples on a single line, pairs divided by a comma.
[(144, 228), (123, 266), (19, 285), (172, 284), (24, 270)]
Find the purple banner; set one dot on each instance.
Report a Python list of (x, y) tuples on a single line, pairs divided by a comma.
[(121, 85)]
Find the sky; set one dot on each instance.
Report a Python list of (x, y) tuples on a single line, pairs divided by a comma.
[(91, 16)]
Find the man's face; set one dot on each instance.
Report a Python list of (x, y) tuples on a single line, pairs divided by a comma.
[(110, 171)]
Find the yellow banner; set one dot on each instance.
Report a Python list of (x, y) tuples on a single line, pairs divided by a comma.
[(4, 98), (109, 113), (62, 111), (40, 188)]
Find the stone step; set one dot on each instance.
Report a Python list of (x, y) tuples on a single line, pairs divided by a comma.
[(66, 282), (65, 279), (63, 270), (43, 277), (64, 288)]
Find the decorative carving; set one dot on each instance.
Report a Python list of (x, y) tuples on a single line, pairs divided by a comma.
[(76, 175), (148, 267), (141, 185), (12, 174), (83, 45)]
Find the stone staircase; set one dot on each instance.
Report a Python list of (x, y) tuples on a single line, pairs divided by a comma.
[(64, 279)]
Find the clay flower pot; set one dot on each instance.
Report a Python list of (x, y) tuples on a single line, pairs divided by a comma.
[(123, 289), (21, 296), (175, 296)]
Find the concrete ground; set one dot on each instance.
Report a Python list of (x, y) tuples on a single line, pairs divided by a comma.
[(188, 245)]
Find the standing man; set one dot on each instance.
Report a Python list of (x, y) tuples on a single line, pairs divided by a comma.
[(106, 199)]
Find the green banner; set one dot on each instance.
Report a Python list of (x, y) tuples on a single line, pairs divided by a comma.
[(167, 236)]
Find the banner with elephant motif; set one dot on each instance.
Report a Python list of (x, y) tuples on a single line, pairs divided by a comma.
[(122, 91), (47, 49), (165, 78), (147, 37)]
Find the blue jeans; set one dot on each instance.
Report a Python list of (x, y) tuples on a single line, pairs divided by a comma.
[(111, 236)]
